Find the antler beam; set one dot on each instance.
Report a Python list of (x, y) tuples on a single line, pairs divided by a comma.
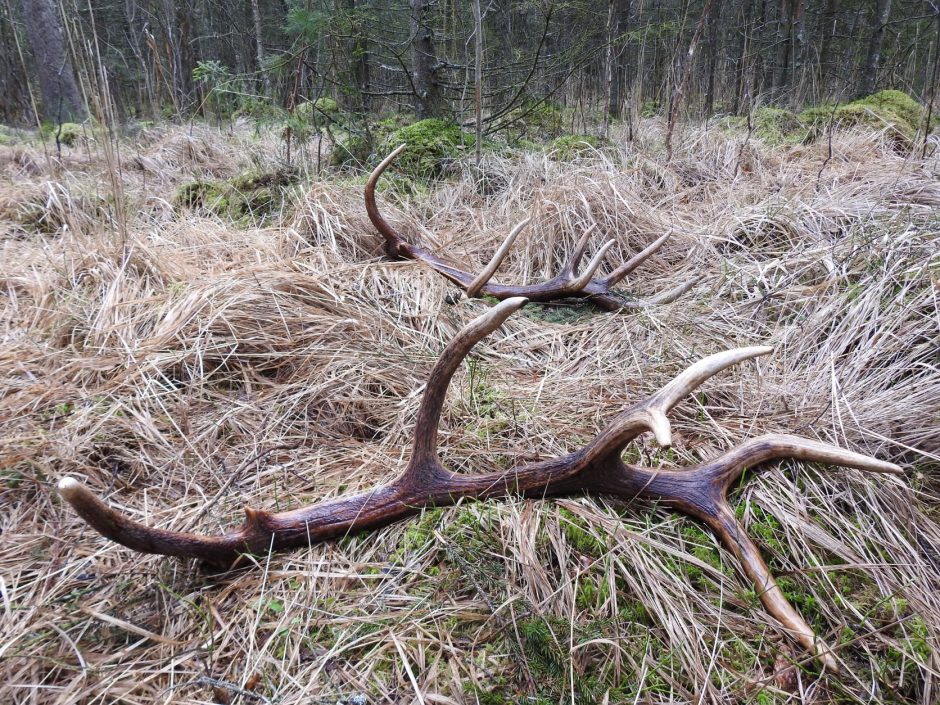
[(566, 284), (700, 491)]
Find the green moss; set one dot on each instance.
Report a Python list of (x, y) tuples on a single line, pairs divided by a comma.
[(569, 147), (253, 196), (533, 119), (68, 133), (326, 105), (579, 536), (817, 115), (898, 114), (561, 314), (897, 103), (353, 151), (6, 136), (777, 125), (432, 144), (865, 114), (201, 195)]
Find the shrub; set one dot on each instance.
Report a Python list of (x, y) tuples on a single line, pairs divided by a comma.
[(68, 133)]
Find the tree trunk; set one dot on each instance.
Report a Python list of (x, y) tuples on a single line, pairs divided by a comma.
[(782, 64), (61, 100), (742, 85), (828, 38), (354, 67), (713, 38), (879, 22), (617, 70), (427, 91), (259, 47)]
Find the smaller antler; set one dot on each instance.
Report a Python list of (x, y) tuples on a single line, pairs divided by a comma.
[(566, 284)]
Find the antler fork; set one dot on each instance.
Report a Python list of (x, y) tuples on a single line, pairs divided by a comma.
[(566, 284), (700, 491)]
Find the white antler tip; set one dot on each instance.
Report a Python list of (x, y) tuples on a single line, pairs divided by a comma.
[(69, 487), (660, 427)]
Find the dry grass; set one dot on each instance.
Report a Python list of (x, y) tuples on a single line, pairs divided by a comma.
[(185, 366)]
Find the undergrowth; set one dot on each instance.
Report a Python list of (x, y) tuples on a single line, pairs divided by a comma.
[(224, 331)]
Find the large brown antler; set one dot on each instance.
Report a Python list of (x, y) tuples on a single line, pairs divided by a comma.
[(566, 284), (700, 491)]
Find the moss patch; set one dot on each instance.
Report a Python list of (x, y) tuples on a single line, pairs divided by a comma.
[(253, 196), (568, 147), (432, 145), (533, 119)]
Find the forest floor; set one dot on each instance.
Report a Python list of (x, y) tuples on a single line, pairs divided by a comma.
[(189, 348)]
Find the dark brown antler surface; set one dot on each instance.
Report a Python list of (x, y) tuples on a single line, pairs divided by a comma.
[(565, 285), (699, 491)]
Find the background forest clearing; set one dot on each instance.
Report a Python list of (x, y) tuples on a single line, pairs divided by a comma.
[(191, 325)]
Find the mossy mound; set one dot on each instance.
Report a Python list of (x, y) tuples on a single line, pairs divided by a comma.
[(895, 112), (433, 144), (568, 147), (316, 109), (254, 197), (895, 103), (360, 149), (777, 125), (68, 133), (355, 150)]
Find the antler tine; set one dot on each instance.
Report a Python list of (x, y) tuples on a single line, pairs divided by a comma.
[(393, 241), (583, 279), (616, 276), (574, 259), (729, 466), (733, 535), (725, 470), (651, 413), (121, 529), (665, 297), (696, 374), (429, 414), (473, 288)]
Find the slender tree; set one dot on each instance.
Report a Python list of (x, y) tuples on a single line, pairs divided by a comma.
[(61, 99), (879, 24), (427, 90)]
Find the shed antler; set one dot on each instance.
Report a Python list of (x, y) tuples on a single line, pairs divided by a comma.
[(699, 491), (565, 285)]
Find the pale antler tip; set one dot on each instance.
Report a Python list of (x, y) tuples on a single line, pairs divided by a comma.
[(660, 427), (69, 487), (512, 304)]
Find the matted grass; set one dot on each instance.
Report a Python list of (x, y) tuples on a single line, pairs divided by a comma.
[(185, 365)]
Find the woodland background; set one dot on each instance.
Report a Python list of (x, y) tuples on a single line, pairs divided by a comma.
[(164, 58)]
